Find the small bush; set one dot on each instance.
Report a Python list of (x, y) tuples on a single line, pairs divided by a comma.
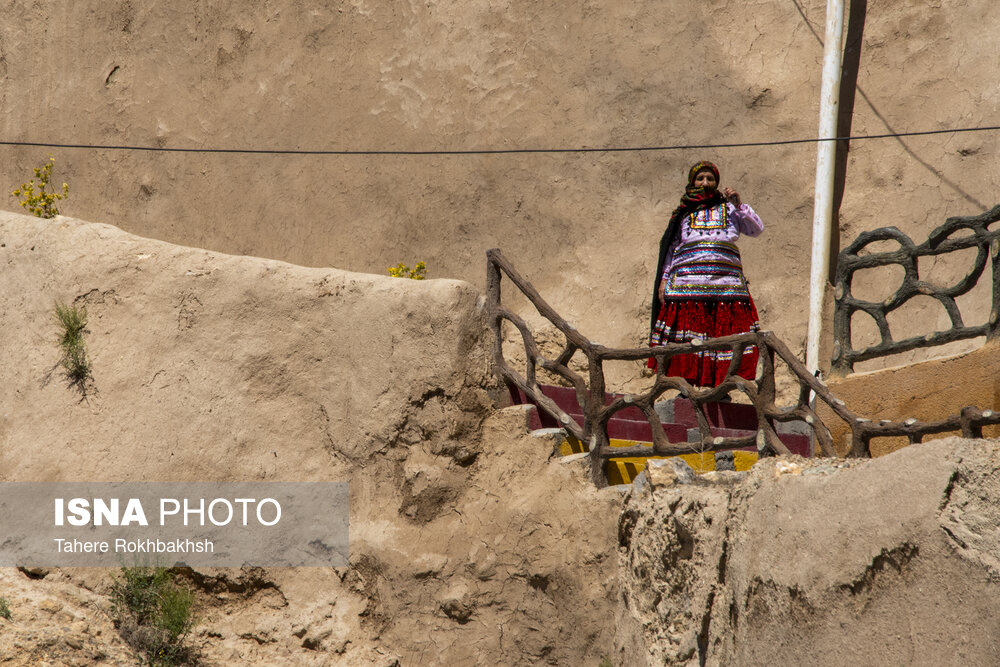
[(176, 618), (4, 608), (418, 272), (153, 614), (40, 202), (74, 359)]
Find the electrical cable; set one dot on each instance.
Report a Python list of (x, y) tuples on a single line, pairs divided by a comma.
[(494, 151)]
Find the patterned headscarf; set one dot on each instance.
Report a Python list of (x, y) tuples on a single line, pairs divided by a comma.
[(696, 198), (704, 165)]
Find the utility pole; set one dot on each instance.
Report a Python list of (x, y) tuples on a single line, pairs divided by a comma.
[(826, 157)]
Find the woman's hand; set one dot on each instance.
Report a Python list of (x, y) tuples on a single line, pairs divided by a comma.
[(731, 195)]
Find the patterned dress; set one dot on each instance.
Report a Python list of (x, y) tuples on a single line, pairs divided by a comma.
[(706, 292)]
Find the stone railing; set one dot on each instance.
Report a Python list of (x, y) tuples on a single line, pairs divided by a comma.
[(955, 234)]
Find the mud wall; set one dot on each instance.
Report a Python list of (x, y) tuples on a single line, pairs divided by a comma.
[(362, 75)]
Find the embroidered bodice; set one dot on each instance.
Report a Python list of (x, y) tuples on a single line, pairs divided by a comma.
[(703, 261)]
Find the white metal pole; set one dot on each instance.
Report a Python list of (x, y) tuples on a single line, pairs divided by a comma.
[(826, 154)]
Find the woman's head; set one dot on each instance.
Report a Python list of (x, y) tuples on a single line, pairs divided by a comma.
[(701, 192), (704, 175)]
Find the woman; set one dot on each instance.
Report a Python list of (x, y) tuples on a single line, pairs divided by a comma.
[(700, 290)]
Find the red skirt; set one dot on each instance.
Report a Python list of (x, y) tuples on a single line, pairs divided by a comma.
[(681, 321)]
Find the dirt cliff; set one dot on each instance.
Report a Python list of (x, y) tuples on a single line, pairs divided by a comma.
[(468, 541), (883, 561)]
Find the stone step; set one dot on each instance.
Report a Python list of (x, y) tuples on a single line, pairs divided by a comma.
[(623, 470)]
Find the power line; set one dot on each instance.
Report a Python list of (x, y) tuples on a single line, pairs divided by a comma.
[(493, 151)]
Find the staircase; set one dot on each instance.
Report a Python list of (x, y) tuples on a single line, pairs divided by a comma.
[(629, 427)]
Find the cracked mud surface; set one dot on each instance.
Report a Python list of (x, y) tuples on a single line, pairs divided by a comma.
[(812, 561)]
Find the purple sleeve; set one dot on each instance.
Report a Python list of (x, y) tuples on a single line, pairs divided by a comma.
[(669, 260), (747, 222)]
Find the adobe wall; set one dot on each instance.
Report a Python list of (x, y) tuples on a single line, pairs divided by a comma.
[(466, 75)]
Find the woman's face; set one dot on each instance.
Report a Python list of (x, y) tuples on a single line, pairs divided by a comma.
[(705, 179)]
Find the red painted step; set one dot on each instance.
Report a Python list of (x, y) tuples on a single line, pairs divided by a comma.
[(797, 443), (629, 429), (565, 398)]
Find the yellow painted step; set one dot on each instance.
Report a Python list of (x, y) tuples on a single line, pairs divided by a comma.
[(624, 470)]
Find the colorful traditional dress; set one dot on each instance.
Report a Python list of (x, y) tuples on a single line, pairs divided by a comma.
[(706, 291)]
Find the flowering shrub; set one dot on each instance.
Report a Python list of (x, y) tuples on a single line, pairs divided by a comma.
[(401, 270), (40, 202)]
